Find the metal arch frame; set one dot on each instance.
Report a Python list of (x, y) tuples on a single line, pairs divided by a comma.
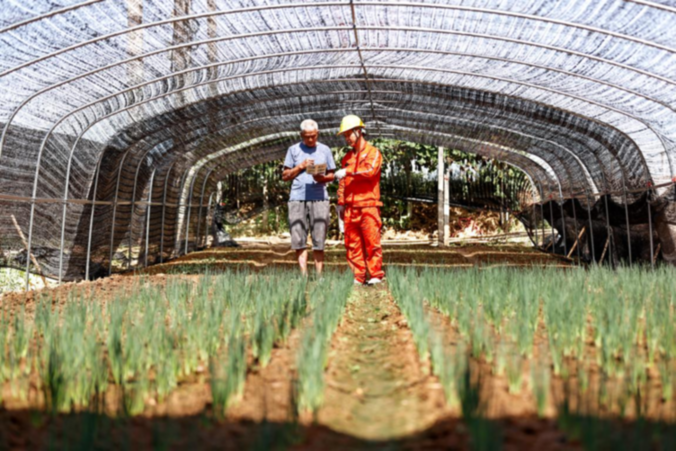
[(91, 2), (164, 207), (221, 79), (212, 14), (206, 228), (305, 68), (366, 28), (418, 29), (218, 164), (582, 163), (70, 159), (177, 238), (142, 159), (149, 206), (91, 222), (583, 166), (132, 106), (133, 199), (319, 51), (519, 152), (404, 128), (332, 66), (187, 222), (505, 149)]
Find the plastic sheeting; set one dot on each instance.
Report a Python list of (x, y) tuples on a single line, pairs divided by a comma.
[(118, 117)]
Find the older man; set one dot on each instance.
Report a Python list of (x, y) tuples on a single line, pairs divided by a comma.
[(309, 201)]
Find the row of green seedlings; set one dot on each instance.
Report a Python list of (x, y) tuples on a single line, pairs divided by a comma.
[(458, 375), (627, 314), (327, 304), (147, 339)]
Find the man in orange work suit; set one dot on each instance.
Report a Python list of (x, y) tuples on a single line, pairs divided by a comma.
[(359, 196)]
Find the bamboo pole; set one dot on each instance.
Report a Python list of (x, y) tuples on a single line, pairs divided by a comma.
[(30, 254), (572, 249)]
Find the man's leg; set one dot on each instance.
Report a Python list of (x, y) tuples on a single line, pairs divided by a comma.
[(370, 228), (319, 223), (319, 261), (301, 255), (298, 225), (354, 244)]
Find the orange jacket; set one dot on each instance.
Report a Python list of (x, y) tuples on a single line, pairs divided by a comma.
[(361, 185)]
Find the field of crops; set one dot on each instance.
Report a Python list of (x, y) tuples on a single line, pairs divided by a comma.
[(479, 357)]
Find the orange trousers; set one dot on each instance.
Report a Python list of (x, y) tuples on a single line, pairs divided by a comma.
[(362, 242)]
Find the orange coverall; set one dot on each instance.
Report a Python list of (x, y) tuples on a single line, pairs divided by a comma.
[(359, 193)]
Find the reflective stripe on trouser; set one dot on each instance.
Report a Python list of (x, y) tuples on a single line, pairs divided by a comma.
[(362, 242)]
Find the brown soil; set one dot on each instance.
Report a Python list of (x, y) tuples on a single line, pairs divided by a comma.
[(379, 395), (375, 369), (257, 256)]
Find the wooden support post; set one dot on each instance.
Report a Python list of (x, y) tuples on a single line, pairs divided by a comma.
[(605, 248), (657, 252), (440, 197), (31, 256), (576, 241)]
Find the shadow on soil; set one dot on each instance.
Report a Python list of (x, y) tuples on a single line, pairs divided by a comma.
[(32, 430)]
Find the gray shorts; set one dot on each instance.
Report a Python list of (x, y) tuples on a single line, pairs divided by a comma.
[(307, 216)]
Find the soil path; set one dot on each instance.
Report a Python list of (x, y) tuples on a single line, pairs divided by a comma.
[(377, 390)]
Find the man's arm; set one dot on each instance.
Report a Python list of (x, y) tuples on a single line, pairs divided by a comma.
[(373, 162), (291, 173), (326, 178)]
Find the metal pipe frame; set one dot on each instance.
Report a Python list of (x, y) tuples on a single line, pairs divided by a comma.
[(626, 217), (164, 207), (563, 226), (150, 199), (118, 189), (132, 106), (133, 199), (611, 237), (187, 222), (206, 221), (213, 14), (551, 224), (173, 92), (591, 226), (112, 223), (91, 222), (568, 151), (177, 242), (2, 139), (577, 232), (650, 228), (199, 215)]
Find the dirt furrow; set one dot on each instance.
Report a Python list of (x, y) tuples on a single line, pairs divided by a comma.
[(377, 390)]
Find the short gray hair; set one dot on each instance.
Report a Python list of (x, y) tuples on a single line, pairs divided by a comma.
[(308, 125)]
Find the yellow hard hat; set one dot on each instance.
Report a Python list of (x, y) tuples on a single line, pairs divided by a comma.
[(349, 122)]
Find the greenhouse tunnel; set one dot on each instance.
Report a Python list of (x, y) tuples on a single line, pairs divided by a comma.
[(119, 117)]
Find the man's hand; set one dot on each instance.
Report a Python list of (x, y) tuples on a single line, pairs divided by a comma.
[(289, 174), (324, 178), (341, 212), (339, 174)]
